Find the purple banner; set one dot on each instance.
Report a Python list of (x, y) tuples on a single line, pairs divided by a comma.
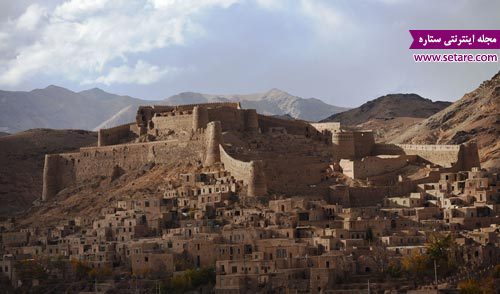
[(455, 39)]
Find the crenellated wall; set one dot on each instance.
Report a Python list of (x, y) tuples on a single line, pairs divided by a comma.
[(251, 173)]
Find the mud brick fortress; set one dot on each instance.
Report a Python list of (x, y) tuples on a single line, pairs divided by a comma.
[(266, 154), (267, 205)]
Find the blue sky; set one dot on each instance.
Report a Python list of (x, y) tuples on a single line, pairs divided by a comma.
[(344, 52)]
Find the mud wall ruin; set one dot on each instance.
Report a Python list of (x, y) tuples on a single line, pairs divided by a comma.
[(456, 157), (63, 170), (251, 173), (113, 136), (371, 166)]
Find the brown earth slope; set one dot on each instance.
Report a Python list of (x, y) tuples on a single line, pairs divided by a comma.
[(476, 116), (21, 163), (388, 107)]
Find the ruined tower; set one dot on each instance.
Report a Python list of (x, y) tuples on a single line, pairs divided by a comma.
[(57, 174), (213, 137), (257, 185), (343, 145), (200, 117), (251, 121)]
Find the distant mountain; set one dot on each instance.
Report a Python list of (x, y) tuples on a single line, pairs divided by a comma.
[(59, 108), (3, 134), (389, 107), (476, 116), (22, 156), (272, 102)]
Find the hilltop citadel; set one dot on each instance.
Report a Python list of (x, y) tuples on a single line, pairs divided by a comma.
[(272, 205)]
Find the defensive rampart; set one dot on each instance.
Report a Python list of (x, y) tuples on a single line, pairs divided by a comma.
[(456, 157), (371, 166), (113, 136), (63, 170), (251, 173)]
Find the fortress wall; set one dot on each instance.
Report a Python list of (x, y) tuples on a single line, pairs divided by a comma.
[(200, 117), (176, 122), (213, 139), (367, 196), (373, 165), (114, 135), (251, 120), (470, 156), (294, 127), (363, 143), (294, 174), (327, 126), (63, 170), (230, 118), (58, 172), (343, 145), (251, 173), (235, 105), (443, 155)]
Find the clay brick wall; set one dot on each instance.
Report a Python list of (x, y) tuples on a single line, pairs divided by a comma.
[(62, 170), (363, 143), (113, 136), (443, 155), (328, 126), (367, 196), (180, 121), (251, 173), (374, 165), (343, 145), (230, 118)]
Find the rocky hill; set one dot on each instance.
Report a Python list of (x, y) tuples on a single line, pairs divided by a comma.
[(59, 108), (476, 116), (272, 102), (389, 107), (21, 163)]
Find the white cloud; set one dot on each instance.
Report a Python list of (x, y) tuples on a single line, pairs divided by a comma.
[(326, 18), (143, 73), (31, 17), (80, 39)]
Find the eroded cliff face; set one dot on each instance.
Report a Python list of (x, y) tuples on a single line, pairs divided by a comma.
[(475, 117)]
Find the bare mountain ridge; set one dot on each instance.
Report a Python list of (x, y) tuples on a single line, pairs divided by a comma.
[(474, 117), (59, 108), (272, 102), (389, 107)]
